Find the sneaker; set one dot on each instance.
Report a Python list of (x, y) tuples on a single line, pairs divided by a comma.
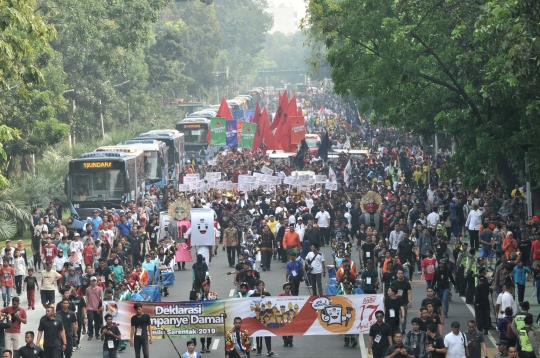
[(445, 315), (74, 349), (285, 344), (79, 347), (290, 344), (270, 354), (258, 353), (89, 338), (346, 345), (207, 350), (33, 308), (355, 343), (84, 331)]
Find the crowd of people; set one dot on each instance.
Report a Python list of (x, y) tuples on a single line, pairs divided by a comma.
[(391, 220)]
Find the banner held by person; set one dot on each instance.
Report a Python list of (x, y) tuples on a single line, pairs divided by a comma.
[(185, 319), (217, 127), (247, 135), (231, 134), (298, 129), (305, 315)]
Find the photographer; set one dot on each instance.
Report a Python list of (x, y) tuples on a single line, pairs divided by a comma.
[(481, 302), (5, 322)]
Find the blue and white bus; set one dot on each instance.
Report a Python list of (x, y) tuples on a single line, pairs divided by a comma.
[(155, 160), (174, 140)]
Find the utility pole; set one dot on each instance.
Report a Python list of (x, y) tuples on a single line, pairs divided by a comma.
[(528, 187), (101, 117)]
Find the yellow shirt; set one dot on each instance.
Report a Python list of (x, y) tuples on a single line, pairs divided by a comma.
[(272, 225)]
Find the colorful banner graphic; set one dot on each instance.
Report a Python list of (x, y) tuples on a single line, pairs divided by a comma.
[(231, 134), (217, 127), (268, 316), (178, 319), (305, 315), (247, 135)]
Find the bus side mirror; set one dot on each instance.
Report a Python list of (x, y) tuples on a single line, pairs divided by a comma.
[(67, 187)]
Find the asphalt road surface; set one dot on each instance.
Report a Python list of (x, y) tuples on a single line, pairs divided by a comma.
[(304, 346)]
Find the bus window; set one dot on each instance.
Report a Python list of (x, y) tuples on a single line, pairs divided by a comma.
[(98, 185)]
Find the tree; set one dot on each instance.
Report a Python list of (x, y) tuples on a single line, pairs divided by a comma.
[(243, 25), (420, 66)]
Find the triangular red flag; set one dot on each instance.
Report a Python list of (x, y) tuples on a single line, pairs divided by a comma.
[(224, 110), (260, 130), (300, 112), (270, 142), (284, 130), (282, 108)]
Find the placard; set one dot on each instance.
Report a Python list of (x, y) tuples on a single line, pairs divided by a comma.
[(331, 186), (320, 178), (183, 187), (267, 170), (222, 185)]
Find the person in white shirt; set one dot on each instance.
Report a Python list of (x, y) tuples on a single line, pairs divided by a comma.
[(292, 219), (456, 343), (433, 221), (77, 244), (474, 220), (309, 201), (300, 228), (505, 300), (323, 221), (396, 236), (315, 266), (348, 216)]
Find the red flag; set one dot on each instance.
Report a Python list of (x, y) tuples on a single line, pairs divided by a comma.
[(300, 112), (282, 108), (224, 110), (284, 130), (269, 140), (260, 130)]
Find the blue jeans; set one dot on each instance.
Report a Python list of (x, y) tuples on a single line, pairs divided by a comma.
[(113, 353), (454, 226), (443, 295), (6, 294)]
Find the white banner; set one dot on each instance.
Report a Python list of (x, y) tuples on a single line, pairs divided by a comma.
[(183, 187), (267, 170), (320, 178), (331, 186), (213, 176), (202, 227)]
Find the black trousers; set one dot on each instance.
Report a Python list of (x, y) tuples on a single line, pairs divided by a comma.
[(316, 283), (473, 234), (231, 254), (379, 352), (483, 320), (266, 258), (94, 323), (267, 341), (141, 342), (69, 346), (295, 285), (52, 352)]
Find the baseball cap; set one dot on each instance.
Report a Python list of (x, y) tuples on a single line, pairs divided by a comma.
[(94, 278), (77, 234)]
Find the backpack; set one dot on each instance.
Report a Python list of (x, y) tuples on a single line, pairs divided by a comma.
[(200, 274), (510, 335)]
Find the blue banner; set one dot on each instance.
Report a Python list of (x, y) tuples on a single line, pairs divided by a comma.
[(238, 115), (249, 115), (231, 134)]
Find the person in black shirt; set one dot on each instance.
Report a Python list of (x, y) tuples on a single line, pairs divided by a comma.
[(367, 252), (69, 320), (393, 309), (380, 336), (442, 280), (261, 292), (110, 335), (435, 344), (434, 318), (388, 277), (80, 311), (398, 350), (30, 350), (434, 300), (524, 247), (405, 252), (51, 329), (103, 273), (404, 292), (141, 329)]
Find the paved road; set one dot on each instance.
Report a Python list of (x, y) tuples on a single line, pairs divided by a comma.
[(304, 347)]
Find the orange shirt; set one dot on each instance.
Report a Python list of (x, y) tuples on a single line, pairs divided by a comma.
[(291, 239)]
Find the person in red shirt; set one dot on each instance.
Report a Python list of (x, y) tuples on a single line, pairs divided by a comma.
[(48, 252), (535, 248), (18, 316), (8, 273), (428, 268), (88, 252)]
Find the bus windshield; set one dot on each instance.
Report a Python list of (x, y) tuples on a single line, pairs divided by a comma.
[(312, 142), (196, 136), (98, 185), (152, 166)]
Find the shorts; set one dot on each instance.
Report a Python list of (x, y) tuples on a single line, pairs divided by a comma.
[(47, 296), (486, 253)]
